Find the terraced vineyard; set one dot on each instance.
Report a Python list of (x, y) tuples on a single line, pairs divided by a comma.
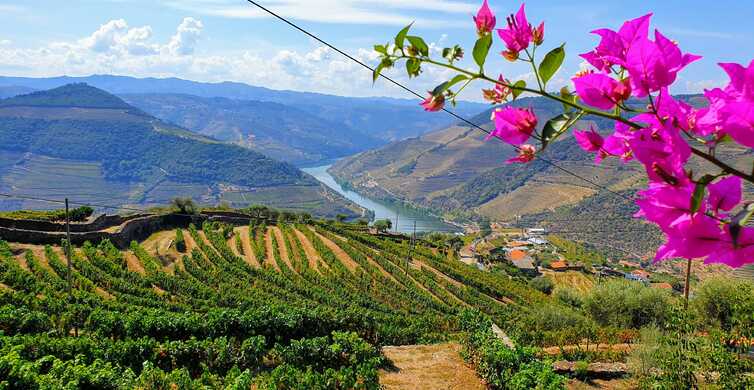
[(283, 306)]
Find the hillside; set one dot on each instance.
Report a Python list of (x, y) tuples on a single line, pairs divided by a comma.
[(85, 143), (383, 119), (294, 305), (282, 132), (455, 170)]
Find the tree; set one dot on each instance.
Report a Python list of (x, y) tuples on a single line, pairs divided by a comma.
[(383, 225), (185, 205)]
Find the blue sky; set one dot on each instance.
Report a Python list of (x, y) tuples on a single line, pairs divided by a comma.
[(228, 40)]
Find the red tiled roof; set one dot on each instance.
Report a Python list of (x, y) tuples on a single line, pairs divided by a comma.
[(558, 264), (517, 254)]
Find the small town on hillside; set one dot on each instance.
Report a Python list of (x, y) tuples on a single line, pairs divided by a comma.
[(529, 252)]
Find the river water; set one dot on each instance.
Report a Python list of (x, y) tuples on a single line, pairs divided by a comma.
[(405, 216)]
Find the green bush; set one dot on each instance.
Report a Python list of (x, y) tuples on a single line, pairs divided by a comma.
[(569, 296), (721, 302), (622, 303), (542, 284), (180, 242)]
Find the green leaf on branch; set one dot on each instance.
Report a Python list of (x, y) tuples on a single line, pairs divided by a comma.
[(419, 44), (413, 67), (386, 63), (699, 191), (380, 49), (739, 221), (566, 95), (481, 49), (516, 88), (400, 39), (448, 84), (551, 63), (553, 128)]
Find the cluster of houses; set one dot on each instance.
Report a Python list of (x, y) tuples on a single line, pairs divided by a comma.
[(519, 254)]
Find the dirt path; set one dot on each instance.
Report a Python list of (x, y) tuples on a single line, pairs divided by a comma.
[(268, 245), (249, 255), (428, 367), (282, 249), (37, 250), (133, 263), (340, 254), (311, 254)]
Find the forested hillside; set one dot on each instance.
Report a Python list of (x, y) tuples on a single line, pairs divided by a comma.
[(336, 125), (77, 138), (282, 132)]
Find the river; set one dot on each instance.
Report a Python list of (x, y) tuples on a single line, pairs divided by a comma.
[(406, 216)]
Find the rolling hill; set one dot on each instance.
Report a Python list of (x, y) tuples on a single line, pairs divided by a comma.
[(456, 171), (84, 143), (336, 126), (282, 132)]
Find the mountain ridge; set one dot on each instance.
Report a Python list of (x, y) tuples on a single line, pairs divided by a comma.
[(59, 142)]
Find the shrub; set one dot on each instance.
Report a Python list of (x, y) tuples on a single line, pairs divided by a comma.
[(569, 296), (621, 303), (722, 301), (542, 284), (180, 242)]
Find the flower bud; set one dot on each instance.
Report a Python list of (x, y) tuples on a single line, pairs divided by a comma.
[(538, 34)]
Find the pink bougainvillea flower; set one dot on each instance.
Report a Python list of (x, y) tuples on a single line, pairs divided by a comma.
[(741, 86), (665, 205), (739, 121), (694, 237), (518, 35), (538, 34), (513, 125), (662, 151), (708, 121), (525, 154), (600, 90), (678, 113), (433, 103), (617, 144), (589, 140), (614, 45), (737, 255), (725, 194), (498, 94), (485, 20), (654, 65)]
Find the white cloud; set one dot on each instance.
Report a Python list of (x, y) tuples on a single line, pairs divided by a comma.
[(5, 42), (700, 85), (185, 39), (117, 48), (374, 12)]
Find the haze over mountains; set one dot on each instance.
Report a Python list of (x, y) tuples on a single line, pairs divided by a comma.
[(302, 128), (82, 142)]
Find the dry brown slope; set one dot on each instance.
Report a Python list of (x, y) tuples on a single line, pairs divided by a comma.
[(429, 367)]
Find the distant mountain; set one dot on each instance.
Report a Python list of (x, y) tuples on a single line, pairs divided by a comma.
[(456, 171), (282, 132), (386, 119), (82, 142), (14, 90)]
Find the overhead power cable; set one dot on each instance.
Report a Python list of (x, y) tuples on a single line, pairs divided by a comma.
[(411, 91)]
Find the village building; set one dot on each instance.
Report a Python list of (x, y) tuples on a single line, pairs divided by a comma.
[(521, 260)]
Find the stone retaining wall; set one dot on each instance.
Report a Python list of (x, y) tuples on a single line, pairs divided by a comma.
[(134, 228)]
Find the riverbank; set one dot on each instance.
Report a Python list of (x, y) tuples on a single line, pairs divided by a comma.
[(403, 217)]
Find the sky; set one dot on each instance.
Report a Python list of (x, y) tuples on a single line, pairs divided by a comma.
[(230, 40)]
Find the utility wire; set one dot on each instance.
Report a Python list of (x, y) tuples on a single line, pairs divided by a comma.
[(409, 90)]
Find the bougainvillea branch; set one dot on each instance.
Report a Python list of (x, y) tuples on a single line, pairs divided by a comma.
[(702, 216)]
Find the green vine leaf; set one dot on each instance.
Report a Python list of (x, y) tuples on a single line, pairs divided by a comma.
[(400, 39), (419, 44), (515, 91), (553, 128)]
